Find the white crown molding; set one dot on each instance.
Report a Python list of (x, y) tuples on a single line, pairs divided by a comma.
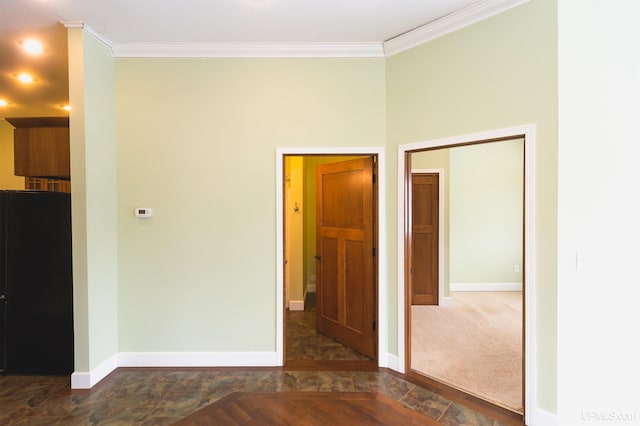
[(248, 50), (457, 20), (73, 24), (87, 28), (448, 24)]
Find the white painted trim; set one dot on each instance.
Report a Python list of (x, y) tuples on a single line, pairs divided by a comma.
[(529, 133), (400, 265), (441, 248), (445, 301), (87, 28), (87, 380), (198, 359), (296, 305), (455, 21), (392, 362), (476, 12), (543, 418), (72, 24), (485, 287), (531, 390), (383, 313), (248, 50)]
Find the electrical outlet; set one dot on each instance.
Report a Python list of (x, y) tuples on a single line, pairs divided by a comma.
[(516, 268)]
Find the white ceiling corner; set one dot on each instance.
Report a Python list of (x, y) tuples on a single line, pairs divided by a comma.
[(447, 24), (214, 29), (452, 22)]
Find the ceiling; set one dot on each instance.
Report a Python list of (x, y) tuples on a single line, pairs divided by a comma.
[(127, 25)]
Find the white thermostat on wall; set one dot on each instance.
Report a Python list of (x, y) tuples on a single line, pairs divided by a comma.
[(143, 212)]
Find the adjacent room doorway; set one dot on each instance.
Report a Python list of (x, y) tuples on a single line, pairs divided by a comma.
[(524, 255), (333, 322)]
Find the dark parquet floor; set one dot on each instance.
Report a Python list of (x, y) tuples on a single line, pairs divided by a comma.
[(307, 408)]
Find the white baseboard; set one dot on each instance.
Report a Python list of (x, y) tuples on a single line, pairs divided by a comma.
[(445, 301), (87, 380), (544, 418), (311, 288), (392, 363), (296, 305), (197, 359), (485, 287)]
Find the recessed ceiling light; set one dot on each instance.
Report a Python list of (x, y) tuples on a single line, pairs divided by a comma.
[(3, 103), (25, 78), (33, 47)]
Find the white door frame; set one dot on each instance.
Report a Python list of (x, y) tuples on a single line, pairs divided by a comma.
[(383, 314), (528, 132)]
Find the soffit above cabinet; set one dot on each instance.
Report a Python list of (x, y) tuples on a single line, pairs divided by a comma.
[(30, 122)]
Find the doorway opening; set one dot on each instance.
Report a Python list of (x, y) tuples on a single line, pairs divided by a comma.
[(328, 268), (461, 287)]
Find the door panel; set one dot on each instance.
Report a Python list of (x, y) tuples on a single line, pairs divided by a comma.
[(329, 289), (424, 239), (345, 305), (343, 203), (355, 285)]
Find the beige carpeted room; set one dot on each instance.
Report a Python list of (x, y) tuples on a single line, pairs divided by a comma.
[(473, 344)]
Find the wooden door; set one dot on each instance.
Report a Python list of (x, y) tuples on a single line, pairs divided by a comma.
[(345, 302), (424, 239)]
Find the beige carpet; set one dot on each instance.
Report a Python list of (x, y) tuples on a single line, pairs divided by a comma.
[(475, 344)]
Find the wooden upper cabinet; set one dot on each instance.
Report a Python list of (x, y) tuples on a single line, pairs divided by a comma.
[(41, 146)]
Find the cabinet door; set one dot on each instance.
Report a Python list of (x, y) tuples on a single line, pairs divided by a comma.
[(42, 151)]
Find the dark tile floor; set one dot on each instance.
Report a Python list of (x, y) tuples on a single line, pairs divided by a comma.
[(304, 343), (164, 396)]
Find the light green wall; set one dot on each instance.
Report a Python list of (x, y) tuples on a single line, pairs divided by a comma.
[(93, 173), (196, 142), (7, 179), (482, 210), (498, 73), (196, 139), (486, 212)]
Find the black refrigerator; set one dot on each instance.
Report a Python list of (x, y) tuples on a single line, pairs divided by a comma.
[(36, 286)]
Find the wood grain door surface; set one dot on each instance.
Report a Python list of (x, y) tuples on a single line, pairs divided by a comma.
[(345, 308), (424, 239)]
